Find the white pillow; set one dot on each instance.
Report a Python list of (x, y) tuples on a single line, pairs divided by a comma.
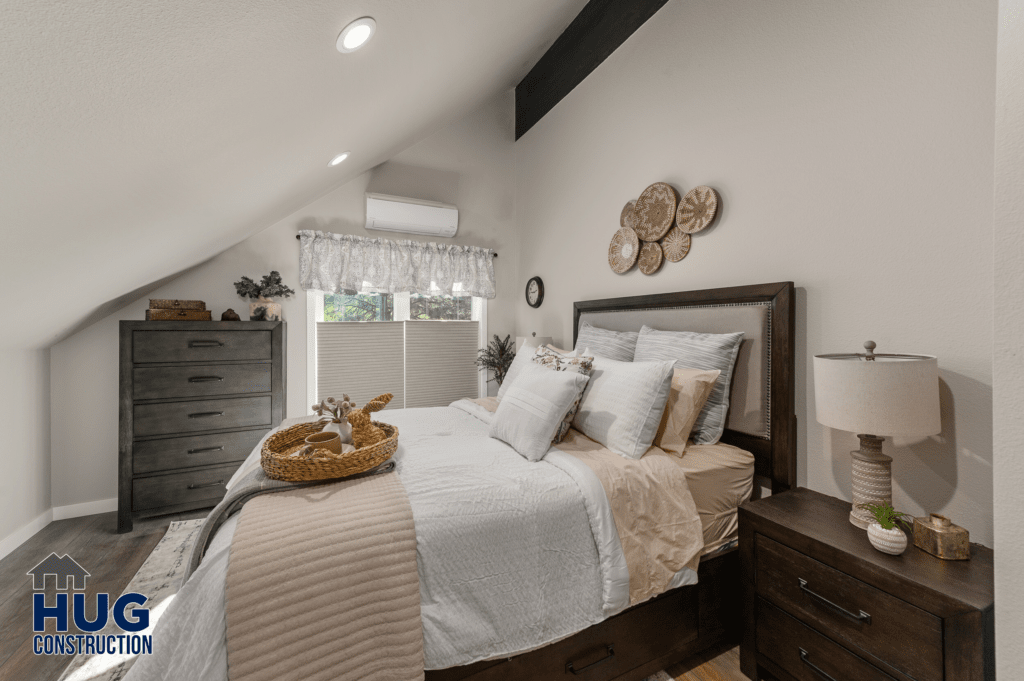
[(623, 404), (523, 358), (532, 409)]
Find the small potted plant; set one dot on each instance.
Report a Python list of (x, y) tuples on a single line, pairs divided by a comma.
[(264, 292), (884, 534), (497, 357), (335, 412)]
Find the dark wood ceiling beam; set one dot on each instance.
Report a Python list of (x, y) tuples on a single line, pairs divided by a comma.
[(596, 32)]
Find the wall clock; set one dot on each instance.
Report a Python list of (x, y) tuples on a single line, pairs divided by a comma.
[(534, 292)]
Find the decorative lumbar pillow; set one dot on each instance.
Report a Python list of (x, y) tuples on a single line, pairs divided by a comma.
[(623, 404), (530, 412), (697, 351), (690, 391), (618, 345), (560, 361)]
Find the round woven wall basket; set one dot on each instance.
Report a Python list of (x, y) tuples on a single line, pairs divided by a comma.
[(623, 250), (697, 209), (627, 218), (655, 210), (650, 257), (675, 245), (281, 460)]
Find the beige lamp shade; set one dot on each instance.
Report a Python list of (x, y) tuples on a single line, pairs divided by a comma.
[(885, 396), (531, 341)]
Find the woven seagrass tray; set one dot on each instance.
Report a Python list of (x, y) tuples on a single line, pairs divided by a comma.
[(281, 459)]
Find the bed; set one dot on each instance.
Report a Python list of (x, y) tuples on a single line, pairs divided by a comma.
[(631, 644)]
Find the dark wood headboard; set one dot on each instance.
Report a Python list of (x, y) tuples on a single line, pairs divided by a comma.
[(774, 449)]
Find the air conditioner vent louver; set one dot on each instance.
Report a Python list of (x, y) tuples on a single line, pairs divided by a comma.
[(413, 216)]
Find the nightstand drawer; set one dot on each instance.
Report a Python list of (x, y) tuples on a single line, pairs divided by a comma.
[(846, 609), (805, 653)]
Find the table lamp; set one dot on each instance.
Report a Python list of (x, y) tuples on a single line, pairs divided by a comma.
[(876, 395)]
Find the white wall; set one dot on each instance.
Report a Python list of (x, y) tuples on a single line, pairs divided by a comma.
[(1008, 360), (25, 482), (469, 163), (851, 144)]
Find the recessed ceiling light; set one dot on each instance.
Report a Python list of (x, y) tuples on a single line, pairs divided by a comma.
[(338, 159), (356, 34)]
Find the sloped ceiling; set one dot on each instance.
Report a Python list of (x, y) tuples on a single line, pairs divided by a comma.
[(138, 139)]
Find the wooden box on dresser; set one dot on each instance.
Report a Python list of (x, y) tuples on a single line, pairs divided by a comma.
[(821, 603), (196, 397)]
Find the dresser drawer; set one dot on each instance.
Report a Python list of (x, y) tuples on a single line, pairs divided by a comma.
[(195, 450), (170, 418), (181, 488), (805, 653), (154, 383), (846, 609), (200, 346)]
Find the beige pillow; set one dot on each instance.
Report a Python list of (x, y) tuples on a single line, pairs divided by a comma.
[(690, 390)]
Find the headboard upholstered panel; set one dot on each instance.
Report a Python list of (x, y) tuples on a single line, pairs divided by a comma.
[(761, 410)]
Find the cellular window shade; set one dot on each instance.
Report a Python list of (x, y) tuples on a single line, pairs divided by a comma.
[(439, 362), (362, 360)]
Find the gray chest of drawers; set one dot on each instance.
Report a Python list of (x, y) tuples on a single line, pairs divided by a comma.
[(196, 397)]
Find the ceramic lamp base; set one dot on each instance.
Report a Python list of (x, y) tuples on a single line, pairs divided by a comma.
[(872, 479)]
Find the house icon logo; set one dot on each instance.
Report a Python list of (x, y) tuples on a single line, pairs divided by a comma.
[(64, 569)]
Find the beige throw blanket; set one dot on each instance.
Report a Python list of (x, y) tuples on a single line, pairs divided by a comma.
[(655, 515), (322, 585)]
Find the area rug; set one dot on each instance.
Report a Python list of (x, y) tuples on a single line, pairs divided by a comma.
[(159, 579)]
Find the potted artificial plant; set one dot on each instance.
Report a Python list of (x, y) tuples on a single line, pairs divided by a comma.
[(884, 534), (264, 292), (497, 358)]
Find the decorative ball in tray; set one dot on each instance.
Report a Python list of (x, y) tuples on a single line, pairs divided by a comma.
[(286, 456)]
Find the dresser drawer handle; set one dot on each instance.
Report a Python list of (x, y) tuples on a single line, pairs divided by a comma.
[(861, 617), (208, 484), (805, 658), (205, 344), (570, 667), (206, 449), (205, 379), (205, 414)]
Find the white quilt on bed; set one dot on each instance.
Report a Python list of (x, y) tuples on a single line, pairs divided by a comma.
[(512, 555)]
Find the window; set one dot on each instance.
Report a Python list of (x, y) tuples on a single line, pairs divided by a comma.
[(419, 348)]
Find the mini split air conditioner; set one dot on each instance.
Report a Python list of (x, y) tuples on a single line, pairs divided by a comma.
[(396, 214)]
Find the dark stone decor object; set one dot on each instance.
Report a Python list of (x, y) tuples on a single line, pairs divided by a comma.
[(230, 316), (819, 602)]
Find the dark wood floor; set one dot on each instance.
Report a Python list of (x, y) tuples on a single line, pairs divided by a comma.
[(113, 559)]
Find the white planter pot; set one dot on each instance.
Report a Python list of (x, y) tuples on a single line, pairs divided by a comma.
[(344, 430), (893, 542), (273, 310)]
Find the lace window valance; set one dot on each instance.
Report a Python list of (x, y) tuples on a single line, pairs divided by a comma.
[(337, 262)]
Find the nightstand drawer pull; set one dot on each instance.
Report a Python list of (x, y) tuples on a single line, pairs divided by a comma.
[(202, 450), (205, 379), (205, 344), (804, 657), (208, 484), (569, 667), (861, 617), (205, 414)]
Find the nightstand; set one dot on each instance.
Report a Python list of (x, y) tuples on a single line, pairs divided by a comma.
[(821, 603)]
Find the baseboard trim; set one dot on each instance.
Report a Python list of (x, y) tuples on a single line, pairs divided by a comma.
[(25, 532), (85, 508), (28, 530)]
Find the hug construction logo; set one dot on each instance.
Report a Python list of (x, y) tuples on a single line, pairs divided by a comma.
[(69, 576)]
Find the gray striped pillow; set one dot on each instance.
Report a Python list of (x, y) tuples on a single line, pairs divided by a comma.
[(617, 345), (697, 351)]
